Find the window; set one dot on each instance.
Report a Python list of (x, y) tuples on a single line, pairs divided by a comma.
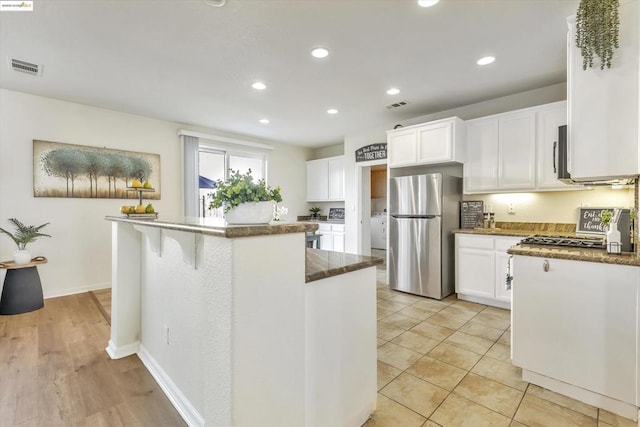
[(204, 163), (214, 164)]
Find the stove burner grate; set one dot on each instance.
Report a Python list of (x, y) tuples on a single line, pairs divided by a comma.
[(573, 242)]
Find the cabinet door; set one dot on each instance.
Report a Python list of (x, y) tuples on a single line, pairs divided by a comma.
[(576, 322), (326, 241), (336, 178), (378, 184), (480, 168), (402, 147), (548, 119), (502, 244), (475, 274), (317, 180), (338, 242), (435, 143), (603, 106), (516, 151)]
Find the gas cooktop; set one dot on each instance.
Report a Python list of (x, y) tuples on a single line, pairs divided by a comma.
[(594, 242)]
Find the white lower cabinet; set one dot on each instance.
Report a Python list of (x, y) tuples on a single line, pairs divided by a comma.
[(575, 329), (332, 237), (481, 268)]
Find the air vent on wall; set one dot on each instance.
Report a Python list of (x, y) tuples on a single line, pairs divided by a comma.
[(397, 104), (25, 67)]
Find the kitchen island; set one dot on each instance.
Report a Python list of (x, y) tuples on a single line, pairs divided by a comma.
[(244, 326), (575, 327)]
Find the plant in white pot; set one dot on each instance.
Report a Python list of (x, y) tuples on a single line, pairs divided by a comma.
[(24, 234), (245, 201)]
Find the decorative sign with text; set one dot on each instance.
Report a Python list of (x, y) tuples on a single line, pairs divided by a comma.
[(372, 152), (471, 214), (589, 220)]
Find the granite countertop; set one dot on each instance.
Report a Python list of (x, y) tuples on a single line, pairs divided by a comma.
[(218, 227), (513, 232), (524, 229), (575, 254), (322, 264)]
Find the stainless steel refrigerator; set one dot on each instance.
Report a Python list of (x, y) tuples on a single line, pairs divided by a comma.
[(423, 210)]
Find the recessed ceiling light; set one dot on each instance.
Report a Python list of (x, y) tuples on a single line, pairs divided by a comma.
[(486, 60), (319, 52), (264, 121), (332, 111), (427, 3), (393, 91), (259, 86)]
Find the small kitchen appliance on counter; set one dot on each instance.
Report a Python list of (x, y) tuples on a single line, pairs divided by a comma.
[(424, 209)]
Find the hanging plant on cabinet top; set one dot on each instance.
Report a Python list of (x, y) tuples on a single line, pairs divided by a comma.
[(597, 28)]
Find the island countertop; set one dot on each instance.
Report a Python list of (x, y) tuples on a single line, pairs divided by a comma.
[(218, 227), (575, 254), (321, 264)]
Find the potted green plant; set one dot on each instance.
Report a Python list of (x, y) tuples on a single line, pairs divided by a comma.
[(245, 201), (24, 234), (314, 212), (597, 30)]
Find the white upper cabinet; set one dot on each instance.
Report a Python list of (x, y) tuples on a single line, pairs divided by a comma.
[(440, 141), (481, 167), (514, 151), (401, 147), (336, 178), (548, 119), (325, 179), (501, 153), (603, 106)]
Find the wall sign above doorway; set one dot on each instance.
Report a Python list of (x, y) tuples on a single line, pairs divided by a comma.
[(372, 152)]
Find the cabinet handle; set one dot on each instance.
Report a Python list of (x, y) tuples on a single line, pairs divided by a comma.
[(545, 265), (555, 145)]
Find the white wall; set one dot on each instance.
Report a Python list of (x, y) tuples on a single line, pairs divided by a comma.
[(80, 251)]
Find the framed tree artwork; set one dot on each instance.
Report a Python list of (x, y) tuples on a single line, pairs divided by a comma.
[(80, 171)]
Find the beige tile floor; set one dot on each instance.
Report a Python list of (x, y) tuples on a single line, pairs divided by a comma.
[(446, 363)]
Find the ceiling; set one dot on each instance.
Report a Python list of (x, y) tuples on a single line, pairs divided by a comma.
[(189, 62)]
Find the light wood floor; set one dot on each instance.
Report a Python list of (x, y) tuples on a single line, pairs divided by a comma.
[(54, 371)]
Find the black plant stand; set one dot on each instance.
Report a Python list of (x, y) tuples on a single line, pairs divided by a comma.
[(22, 290)]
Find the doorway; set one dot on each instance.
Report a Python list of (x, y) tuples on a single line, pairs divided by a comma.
[(372, 181)]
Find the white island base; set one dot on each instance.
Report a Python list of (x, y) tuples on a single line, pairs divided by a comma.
[(232, 332)]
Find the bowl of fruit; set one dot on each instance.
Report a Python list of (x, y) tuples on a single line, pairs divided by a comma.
[(139, 211)]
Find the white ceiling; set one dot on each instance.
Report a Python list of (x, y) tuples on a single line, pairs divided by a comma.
[(185, 61)]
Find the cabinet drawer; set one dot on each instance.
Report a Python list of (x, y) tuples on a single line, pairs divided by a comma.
[(324, 228), (338, 228), (474, 241), (504, 243)]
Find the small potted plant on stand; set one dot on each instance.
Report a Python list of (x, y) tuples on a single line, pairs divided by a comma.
[(314, 213), (23, 235), (245, 201)]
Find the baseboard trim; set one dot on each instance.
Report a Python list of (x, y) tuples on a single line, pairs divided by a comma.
[(485, 301), (122, 351), (184, 407), (612, 405), (78, 290)]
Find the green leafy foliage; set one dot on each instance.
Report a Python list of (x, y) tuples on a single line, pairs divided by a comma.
[(315, 210), (605, 216), (240, 188), (597, 29), (24, 234)]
